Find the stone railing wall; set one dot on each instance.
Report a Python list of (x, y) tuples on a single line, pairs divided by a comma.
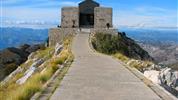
[(105, 30), (56, 35)]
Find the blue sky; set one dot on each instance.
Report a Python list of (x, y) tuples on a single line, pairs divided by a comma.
[(138, 13)]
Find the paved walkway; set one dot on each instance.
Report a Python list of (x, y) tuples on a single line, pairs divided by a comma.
[(94, 76)]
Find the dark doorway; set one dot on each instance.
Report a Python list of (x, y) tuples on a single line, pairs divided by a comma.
[(86, 20)]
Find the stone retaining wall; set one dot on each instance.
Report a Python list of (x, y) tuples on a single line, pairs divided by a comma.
[(105, 30), (56, 35)]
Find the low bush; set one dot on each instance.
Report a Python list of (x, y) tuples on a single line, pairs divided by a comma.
[(25, 91), (105, 43), (121, 57), (48, 52), (112, 44), (121, 47)]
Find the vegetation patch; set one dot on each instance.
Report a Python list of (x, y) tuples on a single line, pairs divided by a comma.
[(123, 48), (112, 44), (48, 52), (14, 91), (121, 57)]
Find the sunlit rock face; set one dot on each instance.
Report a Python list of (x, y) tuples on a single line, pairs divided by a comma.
[(153, 75), (169, 77), (165, 77), (58, 49), (30, 71)]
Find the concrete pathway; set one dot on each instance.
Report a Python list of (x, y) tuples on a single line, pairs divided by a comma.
[(94, 76)]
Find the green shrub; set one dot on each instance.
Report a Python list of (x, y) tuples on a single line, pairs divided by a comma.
[(47, 52), (121, 57), (105, 43), (60, 60)]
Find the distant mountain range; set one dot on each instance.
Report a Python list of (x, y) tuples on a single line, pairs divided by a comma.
[(161, 44), (12, 37), (153, 35)]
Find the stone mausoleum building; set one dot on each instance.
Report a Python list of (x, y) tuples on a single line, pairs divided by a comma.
[(89, 14)]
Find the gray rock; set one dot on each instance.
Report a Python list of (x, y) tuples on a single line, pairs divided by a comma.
[(30, 71), (31, 56), (38, 63), (58, 49), (27, 74), (18, 70)]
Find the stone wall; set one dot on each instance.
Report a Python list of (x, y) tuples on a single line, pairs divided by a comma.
[(70, 17), (105, 30), (102, 17), (56, 35)]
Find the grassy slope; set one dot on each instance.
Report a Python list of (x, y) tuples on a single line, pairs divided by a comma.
[(13, 91)]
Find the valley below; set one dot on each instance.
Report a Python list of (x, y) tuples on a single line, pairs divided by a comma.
[(163, 53)]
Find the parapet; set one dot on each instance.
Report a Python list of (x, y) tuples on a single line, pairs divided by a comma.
[(56, 35)]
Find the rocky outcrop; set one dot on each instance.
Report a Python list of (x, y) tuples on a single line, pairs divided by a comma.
[(132, 49), (12, 57), (30, 71), (153, 75), (11, 75), (58, 49), (165, 77)]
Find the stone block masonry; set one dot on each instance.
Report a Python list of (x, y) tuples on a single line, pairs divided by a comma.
[(105, 31), (56, 35), (88, 14), (103, 16), (70, 17)]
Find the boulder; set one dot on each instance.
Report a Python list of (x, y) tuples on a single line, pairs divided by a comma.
[(169, 77), (9, 77), (28, 74), (58, 49), (31, 56), (38, 63), (153, 75), (175, 80), (30, 71)]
